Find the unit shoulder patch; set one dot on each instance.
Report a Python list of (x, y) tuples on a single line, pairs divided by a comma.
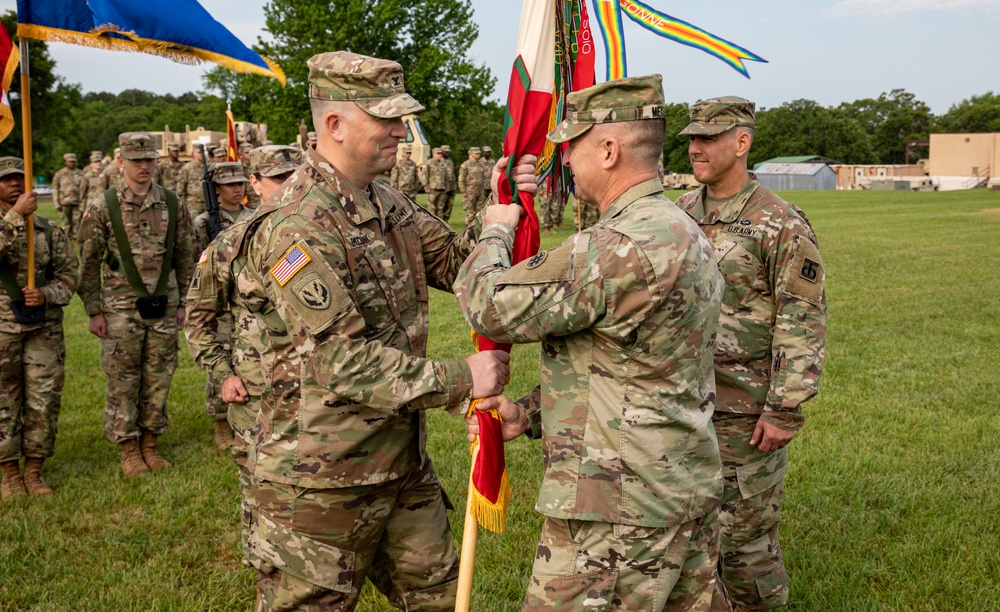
[(805, 273), (547, 266)]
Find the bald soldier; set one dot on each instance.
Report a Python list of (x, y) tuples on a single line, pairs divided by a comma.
[(473, 183), (32, 350), (66, 195), (770, 345), (137, 258), (339, 268), (404, 176), (626, 313)]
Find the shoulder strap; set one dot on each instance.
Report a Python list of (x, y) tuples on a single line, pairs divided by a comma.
[(124, 249), (8, 276)]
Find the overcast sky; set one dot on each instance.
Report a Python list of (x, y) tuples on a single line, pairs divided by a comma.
[(830, 51)]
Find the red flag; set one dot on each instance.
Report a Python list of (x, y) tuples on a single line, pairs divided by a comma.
[(10, 58), (231, 153)]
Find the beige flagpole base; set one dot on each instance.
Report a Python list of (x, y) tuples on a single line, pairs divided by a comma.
[(470, 537)]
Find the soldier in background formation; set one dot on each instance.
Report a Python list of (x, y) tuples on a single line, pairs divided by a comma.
[(473, 181), (137, 256), (219, 155), (237, 362), (626, 313), (450, 184), (770, 344), (311, 139), (435, 183), (66, 195), (170, 168), (32, 351), (91, 183), (585, 214), (405, 176), (488, 157), (111, 174), (189, 184), (252, 198), (229, 183)]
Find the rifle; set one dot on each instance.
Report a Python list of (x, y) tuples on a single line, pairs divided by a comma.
[(211, 198)]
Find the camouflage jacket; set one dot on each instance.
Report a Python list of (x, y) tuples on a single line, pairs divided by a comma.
[(770, 346), (170, 173), (59, 258), (226, 219), (487, 174), (434, 175), (110, 176), (471, 178), (66, 187), (189, 186), (626, 312), (91, 186), (253, 200), (340, 278), (404, 176), (145, 219), (449, 175)]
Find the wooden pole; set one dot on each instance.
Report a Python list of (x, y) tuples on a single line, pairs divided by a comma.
[(470, 537), (26, 137)]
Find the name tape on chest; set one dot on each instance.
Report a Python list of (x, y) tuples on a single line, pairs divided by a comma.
[(289, 265)]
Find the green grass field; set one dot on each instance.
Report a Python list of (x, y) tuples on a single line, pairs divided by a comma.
[(892, 496)]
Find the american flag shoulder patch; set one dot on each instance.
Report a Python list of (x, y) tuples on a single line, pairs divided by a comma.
[(294, 260), (204, 256)]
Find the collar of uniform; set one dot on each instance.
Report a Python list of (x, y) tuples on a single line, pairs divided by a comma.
[(125, 194), (356, 202), (728, 212), (643, 189)]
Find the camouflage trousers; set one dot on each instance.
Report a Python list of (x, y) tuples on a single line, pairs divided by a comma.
[(472, 203), (449, 203), (436, 200), (243, 420), (71, 216), (315, 547), (217, 409), (588, 216), (751, 567), (32, 370), (550, 210), (139, 357), (591, 566)]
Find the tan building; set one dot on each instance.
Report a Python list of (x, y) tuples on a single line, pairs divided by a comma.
[(860, 176), (972, 157)]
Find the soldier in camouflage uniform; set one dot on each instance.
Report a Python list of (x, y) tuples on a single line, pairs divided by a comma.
[(170, 169), (488, 157), (252, 198), (311, 139), (66, 195), (139, 348), (770, 345), (32, 353), (338, 268), (626, 313), (473, 180), (404, 176), (111, 175), (585, 214), (449, 176), (435, 184), (229, 183), (91, 183), (212, 299), (189, 184), (219, 155)]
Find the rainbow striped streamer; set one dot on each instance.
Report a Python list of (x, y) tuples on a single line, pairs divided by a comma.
[(680, 31), (609, 18)]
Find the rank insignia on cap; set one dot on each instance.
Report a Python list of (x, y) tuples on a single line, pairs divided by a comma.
[(204, 256), (293, 261)]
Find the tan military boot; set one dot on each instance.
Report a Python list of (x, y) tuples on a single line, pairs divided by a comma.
[(223, 435), (11, 485), (33, 477), (132, 463), (148, 445)]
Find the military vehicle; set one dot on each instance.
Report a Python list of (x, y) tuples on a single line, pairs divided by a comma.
[(420, 148), (254, 133), (673, 180)]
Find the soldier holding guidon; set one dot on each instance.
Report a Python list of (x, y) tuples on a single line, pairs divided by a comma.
[(32, 351), (770, 345)]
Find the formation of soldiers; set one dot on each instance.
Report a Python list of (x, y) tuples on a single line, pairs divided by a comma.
[(679, 343)]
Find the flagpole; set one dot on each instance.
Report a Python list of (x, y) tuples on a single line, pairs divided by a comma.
[(470, 538), (26, 137)]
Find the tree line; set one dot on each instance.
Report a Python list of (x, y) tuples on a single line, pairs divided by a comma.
[(431, 40)]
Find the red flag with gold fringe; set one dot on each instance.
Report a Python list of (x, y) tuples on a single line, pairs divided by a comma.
[(10, 57)]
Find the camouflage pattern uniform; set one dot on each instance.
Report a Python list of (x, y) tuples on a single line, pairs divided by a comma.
[(216, 408), (170, 172), (768, 357), (66, 196), (189, 188), (436, 184), (587, 217), (474, 186), (404, 177), (138, 355), (626, 313), (111, 175), (91, 185), (450, 184), (32, 355), (340, 277)]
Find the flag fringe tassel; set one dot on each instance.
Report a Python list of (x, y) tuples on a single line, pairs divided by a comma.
[(488, 514), (100, 38)]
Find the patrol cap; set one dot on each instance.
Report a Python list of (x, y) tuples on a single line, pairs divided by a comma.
[(375, 85), (224, 173), (719, 115), (96, 156), (310, 135), (405, 148), (137, 145), (274, 160), (435, 150), (245, 146), (118, 151), (173, 147), (69, 156), (474, 150), (219, 153), (620, 100), (487, 149), (445, 149), (11, 165)]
